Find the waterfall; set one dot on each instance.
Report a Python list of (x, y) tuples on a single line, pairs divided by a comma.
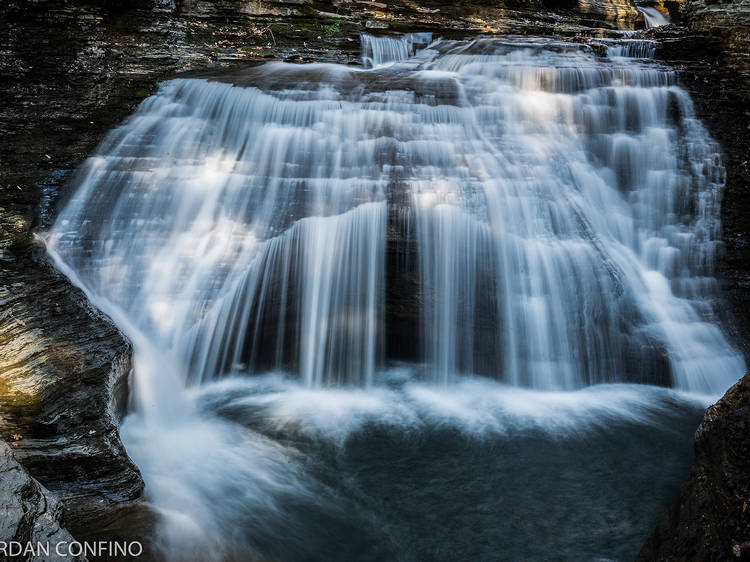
[(653, 17), (640, 49), (380, 51), (297, 251), (564, 209)]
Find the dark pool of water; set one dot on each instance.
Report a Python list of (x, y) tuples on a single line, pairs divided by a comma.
[(436, 489)]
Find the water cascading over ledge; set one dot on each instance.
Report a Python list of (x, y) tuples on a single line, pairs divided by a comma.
[(548, 217)]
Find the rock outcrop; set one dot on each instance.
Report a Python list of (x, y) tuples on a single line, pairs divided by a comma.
[(63, 385), (728, 20), (29, 516), (712, 518)]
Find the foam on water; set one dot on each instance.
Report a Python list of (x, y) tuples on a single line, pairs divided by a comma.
[(206, 476), (474, 406)]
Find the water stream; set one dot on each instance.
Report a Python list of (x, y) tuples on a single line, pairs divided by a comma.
[(653, 17), (414, 310)]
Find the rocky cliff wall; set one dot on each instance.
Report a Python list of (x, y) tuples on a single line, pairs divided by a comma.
[(729, 21), (64, 370)]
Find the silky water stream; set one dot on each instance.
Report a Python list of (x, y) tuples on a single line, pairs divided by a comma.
[(457, 304)]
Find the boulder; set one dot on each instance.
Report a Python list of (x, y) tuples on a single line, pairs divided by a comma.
[(712, 518)]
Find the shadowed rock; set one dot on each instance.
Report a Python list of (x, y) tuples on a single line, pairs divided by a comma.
[(30, 514), (712, 519)]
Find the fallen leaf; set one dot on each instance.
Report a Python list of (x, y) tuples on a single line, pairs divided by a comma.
[(17, 437), (20, 322)]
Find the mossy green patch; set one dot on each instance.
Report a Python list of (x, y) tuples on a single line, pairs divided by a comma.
[(333, 29)]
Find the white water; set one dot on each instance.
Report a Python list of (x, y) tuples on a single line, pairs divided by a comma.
[(383, 51), (474, 405), (630, 49), (653, 17), (564, 211)]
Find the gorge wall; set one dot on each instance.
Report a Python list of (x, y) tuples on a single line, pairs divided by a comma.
[(719, 81), (70, 70)]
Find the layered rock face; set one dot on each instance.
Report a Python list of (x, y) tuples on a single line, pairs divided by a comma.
[(728, 20), (29, 514), (64, 384), (712, 519)]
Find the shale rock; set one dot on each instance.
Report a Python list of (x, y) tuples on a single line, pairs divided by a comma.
[(721, 89), (728, 20), (712, 518), (29, 513), (63, 383)]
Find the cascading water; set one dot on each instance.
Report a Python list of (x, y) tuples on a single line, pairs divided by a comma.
[(555, 213), (653, 17), (380, 51)]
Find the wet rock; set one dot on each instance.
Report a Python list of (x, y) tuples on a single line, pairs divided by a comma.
[(63, 385), (712, 518), (729, 21), (30, 514), (612, 14)]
